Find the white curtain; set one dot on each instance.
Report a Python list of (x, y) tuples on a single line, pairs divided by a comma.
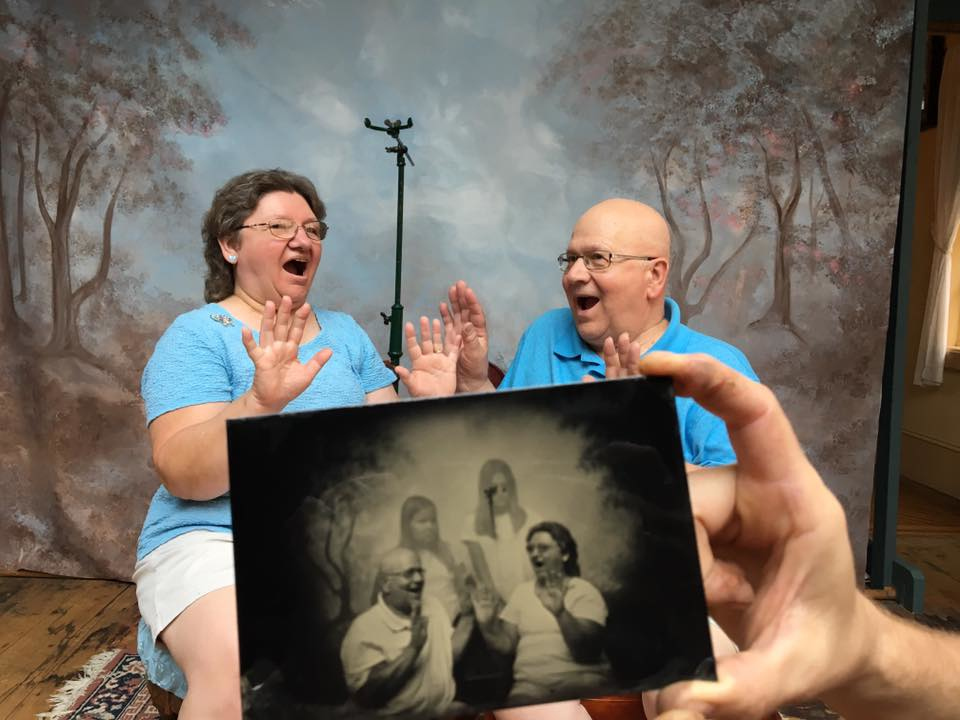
[(946, 222)]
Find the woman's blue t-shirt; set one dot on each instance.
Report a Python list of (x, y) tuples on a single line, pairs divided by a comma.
[(201, 359)]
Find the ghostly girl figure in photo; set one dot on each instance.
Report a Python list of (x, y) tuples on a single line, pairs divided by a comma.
[(444, 575), (495, 534), (553, 625)]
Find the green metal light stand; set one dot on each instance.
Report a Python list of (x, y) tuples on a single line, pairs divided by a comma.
[(395, 319)]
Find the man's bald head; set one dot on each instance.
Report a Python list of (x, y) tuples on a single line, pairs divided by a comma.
[(627, 224), (626, 296), (399, 560)]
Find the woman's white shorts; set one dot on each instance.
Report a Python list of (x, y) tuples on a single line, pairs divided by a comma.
[(180, 572)]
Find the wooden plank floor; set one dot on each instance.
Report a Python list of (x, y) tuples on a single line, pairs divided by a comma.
[(925, 511), (50, 627)]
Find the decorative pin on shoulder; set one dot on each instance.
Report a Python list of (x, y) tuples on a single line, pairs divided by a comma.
[(224, 320)]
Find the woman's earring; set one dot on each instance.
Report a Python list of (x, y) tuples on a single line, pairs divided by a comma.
[(232, 259)]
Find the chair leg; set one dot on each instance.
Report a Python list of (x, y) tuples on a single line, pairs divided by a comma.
[(167, 704)]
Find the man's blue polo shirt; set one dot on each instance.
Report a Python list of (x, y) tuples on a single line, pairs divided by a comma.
[(551, 352)]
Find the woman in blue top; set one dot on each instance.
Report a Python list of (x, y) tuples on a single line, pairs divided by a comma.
[(263, 239)]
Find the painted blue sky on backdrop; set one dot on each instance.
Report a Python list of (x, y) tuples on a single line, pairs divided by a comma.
[(493, 195)]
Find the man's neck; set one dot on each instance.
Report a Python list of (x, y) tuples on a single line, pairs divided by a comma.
[(395, 610), (649, 337)]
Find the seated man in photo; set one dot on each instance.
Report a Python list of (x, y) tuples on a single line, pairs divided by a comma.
[(398, 655)]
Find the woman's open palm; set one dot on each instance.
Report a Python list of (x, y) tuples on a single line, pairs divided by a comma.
[(279, 376)]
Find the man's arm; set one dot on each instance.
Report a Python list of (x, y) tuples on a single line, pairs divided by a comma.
[(465, 315), (387, 678), (912, 671), (779, 576)]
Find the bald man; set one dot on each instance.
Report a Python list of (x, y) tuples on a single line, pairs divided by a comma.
[(398, 655), (615, 273)]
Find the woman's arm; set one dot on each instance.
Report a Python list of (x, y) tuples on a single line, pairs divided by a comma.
[(190, 444), (190, 447), (479, 562), (499, 635), (461, 634), (383, 395), (583, 637)]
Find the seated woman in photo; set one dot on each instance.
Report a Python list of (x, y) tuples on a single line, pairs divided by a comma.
[(444, 577), (495, 533), (553, 624), (262, 242)]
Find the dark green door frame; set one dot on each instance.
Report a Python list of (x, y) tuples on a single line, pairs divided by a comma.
[(885, 569)]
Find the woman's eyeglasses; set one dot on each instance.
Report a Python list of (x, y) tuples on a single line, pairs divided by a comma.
[(287, 229)]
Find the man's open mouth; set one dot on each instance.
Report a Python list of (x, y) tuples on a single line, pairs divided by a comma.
[(586, 302), (296, 267)]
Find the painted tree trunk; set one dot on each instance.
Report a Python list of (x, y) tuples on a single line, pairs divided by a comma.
[(9, 321)]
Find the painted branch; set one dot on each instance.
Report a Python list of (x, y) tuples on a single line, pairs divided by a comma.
[(8, 314), (344, 561), (836, 208), (38, 182), (770, 187), (95, 282), (679, 244), (82, 161), (813, 207), (328, 550), (64, 184), (21, 254), (796, 187), (707, 248), (698, 307)]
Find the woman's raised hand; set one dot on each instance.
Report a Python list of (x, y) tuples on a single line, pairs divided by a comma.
[(433, 360), (279, 376), (485, 603), (550, 590)]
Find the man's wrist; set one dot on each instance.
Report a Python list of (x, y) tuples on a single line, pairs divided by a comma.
[(475, 385), (873, 643)]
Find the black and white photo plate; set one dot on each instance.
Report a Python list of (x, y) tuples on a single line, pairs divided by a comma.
[(436, 558)]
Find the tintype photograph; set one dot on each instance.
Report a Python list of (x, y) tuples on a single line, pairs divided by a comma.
[(441, 557)]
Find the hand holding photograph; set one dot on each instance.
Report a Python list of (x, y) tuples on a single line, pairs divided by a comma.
[(442, 557)]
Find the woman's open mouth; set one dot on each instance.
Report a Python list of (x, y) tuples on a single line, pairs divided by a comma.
[(585, 302), (296, 267)]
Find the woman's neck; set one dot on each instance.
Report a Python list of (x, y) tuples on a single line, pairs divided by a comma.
[(249, 311)]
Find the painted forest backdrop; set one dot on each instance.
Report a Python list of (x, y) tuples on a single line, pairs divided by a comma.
[(770, 134)]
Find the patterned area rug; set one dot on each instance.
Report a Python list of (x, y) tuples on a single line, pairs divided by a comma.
[(111, 686)]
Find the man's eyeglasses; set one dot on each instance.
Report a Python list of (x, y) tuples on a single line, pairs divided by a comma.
[(596, 261), (408, 574), (287, 229)]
